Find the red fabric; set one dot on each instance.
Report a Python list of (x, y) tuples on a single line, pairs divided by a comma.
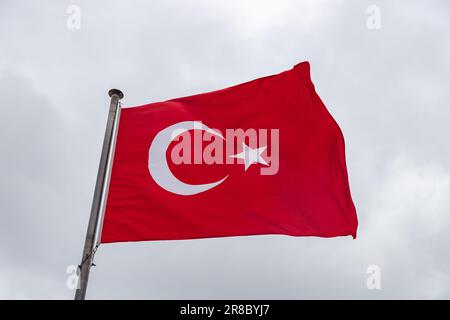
[(309, 195)]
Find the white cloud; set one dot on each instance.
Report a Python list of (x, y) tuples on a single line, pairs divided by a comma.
[(388, 90)]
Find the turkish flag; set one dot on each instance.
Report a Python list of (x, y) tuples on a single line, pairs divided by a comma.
[(262, 157)]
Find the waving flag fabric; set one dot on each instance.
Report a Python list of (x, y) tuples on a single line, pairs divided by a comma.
[(262, 157)]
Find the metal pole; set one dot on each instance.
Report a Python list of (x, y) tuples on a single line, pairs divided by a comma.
[(89, 244)]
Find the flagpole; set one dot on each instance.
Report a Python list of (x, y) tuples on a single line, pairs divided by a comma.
[(90, 243)]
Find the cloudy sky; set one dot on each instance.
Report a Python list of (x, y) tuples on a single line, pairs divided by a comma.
[(388, 89)]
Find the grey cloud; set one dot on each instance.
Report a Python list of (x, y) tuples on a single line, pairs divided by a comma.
[(388, 89)]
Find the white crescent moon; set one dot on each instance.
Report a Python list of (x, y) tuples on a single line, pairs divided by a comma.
[(157, 162)]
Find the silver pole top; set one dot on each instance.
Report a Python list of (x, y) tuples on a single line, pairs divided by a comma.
[(115, 92)]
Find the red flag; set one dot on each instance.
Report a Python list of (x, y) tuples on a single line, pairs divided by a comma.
[(262, 157)]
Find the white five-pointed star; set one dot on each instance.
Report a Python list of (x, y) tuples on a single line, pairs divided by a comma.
[(251, 156)]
